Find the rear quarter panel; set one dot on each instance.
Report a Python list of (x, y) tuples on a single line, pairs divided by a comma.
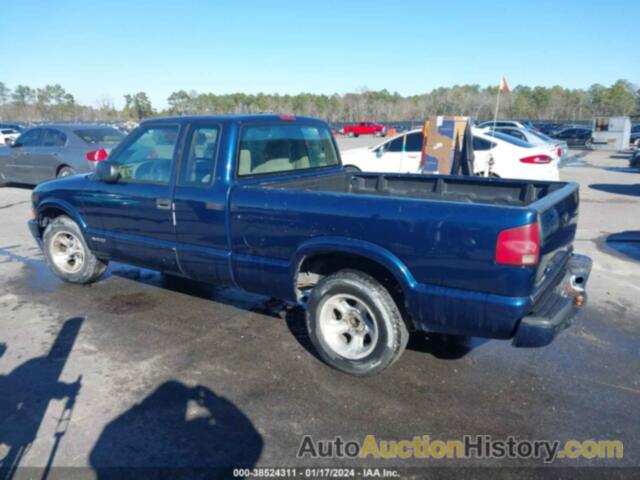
[(438, 243)]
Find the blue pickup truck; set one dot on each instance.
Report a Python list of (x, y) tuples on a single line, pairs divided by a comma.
[(262, 203)]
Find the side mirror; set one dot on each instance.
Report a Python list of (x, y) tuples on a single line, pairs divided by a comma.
[(107, 172), (379, 152)]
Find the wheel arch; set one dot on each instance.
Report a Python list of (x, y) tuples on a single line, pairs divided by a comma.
[(49, 210), (321, 257)]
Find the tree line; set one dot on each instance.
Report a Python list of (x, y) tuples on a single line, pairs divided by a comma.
[(54, 103)]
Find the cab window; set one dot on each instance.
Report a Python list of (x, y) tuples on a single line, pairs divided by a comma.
[(148, 157), (198, 165)]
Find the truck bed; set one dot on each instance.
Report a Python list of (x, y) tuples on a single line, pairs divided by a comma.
[(486, 191), (441, 230)]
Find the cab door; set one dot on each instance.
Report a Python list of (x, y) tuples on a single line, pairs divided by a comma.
[(200, 206), (136, 217)]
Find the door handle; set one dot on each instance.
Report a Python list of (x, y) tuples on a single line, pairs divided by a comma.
[(163, 203)]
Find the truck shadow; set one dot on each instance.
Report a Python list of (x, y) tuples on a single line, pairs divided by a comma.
[(626, 244), (620, 189), (178, 431), (26, 393), (194, 288), (444, 347)]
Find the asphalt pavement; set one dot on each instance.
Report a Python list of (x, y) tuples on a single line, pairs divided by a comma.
[(140, 371)]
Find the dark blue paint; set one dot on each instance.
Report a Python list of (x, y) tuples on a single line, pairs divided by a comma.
[(239, 233)]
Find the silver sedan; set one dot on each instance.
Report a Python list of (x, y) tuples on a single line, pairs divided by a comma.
[(56, 150)]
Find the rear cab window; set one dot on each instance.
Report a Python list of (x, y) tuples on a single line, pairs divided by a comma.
[(276, 148)]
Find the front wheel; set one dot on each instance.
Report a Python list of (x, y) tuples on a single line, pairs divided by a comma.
[(354, 323), (68, 254)]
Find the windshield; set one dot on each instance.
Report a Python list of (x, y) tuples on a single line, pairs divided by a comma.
[(277, 148), (100, 135), (509, 139)]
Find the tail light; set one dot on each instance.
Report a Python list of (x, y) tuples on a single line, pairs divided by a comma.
[(287, 117), (559, 151), (537, 159), (519, 246), (97, 155)]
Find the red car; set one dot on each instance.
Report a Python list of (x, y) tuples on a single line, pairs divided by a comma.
[(364, 128)]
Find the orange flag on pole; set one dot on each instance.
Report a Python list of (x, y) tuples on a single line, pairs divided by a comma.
[(504, 86)]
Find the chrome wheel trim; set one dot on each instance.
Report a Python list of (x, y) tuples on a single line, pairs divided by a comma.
[(67, 252), (348, 326)]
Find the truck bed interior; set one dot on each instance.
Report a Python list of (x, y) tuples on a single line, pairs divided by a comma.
[(459, 189)]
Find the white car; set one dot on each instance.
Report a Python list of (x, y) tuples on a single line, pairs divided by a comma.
[(534, 138), (496, 154), (8, 136), (501, 155), (388, 156)]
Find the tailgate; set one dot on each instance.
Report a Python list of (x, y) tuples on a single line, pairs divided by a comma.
[(558, 218)]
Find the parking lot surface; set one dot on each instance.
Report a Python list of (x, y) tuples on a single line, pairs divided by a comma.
[(145, 371)]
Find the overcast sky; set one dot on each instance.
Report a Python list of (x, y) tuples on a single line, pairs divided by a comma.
[(97, 48)]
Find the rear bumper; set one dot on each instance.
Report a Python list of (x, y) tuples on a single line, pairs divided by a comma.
[(556, 309)]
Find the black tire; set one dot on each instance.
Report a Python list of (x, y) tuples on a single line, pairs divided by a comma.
[(392, 332), (91, 267), (66, 172)]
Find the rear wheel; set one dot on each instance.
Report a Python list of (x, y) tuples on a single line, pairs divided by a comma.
[(354, 323), (66, 172), (68, 254)]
